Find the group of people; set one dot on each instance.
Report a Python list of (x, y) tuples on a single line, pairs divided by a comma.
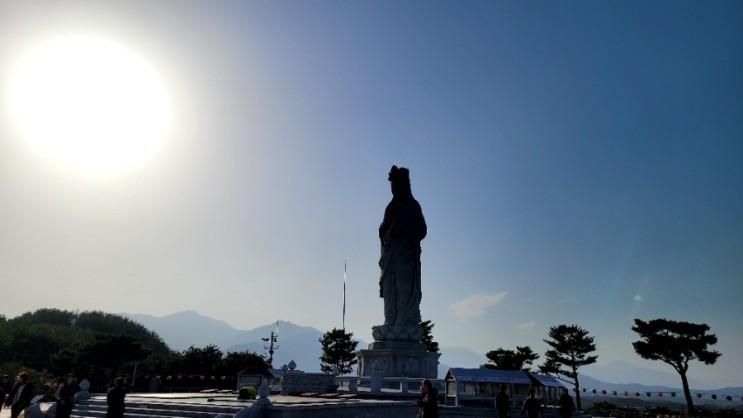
[(18, 396), (428, 403)]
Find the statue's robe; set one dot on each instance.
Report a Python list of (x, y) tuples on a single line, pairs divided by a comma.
[(401, 232)]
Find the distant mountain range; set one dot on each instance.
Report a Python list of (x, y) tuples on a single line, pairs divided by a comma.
[(184, 329), (301, 344)]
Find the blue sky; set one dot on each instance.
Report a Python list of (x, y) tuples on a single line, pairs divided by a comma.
[(576, 162)]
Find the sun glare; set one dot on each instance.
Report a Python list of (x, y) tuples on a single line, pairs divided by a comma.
[(90, 104)]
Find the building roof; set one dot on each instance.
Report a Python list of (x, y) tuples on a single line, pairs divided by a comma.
[(546, 380), (488, 375)]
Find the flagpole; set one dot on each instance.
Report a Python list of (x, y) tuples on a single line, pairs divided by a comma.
[(345, 273)]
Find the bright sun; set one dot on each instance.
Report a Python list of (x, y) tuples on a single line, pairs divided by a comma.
[(90, 104)]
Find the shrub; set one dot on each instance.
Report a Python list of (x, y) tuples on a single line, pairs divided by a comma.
[(247, 392)]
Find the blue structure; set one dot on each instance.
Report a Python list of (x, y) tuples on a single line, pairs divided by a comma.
[(478, 387), (548, 388)]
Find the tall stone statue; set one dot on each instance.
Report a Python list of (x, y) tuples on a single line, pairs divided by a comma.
[(397, 350), (400, 235)]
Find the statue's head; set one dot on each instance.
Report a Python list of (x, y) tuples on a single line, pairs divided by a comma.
[(399, 178)]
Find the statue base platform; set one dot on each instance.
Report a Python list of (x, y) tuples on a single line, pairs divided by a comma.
[(398, 359)]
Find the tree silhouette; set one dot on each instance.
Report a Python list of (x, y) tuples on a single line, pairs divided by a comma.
[(518, 359), (338, 350), (549, 366), (113, 352), (235, 362), (427, 337), (676, 343), (199, 361), (571, 349)]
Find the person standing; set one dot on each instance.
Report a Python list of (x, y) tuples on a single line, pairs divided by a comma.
[(567, 407), (115, 398), (66, 397), (428, 403), (502, 403), (20, 395), (4, 388), (532, 405)]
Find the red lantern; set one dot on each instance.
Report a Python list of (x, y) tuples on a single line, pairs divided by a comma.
[(660, 394)]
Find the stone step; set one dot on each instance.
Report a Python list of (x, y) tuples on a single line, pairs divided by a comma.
[(96, 408), (98, 414), (159, 411), (164, 406)]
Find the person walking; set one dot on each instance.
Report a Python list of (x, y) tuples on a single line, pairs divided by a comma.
[(502, 403), (532, 405), (115, 398), (19, 397), (428, 403), (66, 396), (567, 407)]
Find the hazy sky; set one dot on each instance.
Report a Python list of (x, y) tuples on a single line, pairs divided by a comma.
[(577, 162)]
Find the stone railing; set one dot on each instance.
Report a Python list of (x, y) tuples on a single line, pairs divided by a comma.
[(403, 384)]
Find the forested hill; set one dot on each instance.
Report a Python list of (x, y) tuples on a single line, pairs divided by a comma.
[(62, 341)]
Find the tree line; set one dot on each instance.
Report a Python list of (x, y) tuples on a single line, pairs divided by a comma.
[(100, 346), (571, 347)]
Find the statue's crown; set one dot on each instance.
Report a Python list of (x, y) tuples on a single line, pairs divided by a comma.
[(399, 174)]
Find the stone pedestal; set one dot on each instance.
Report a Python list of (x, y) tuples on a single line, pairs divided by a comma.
[(398, 359)]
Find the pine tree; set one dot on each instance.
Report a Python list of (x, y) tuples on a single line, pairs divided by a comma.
[(427, 337), (338, 351), (518, 359), (676, 343), (571, 346)]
